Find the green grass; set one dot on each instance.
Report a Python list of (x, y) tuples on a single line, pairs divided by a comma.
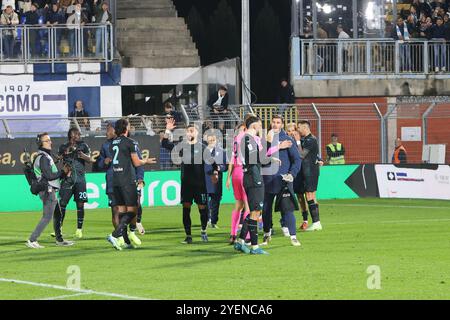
[(408, 239)]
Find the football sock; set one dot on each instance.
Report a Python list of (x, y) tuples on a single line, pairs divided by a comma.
[(204, 218), (253, 228), (139, 214), (235, 215), (125, 235), (80, 217), (187, 220), (245, 228), (314, 211), (125, 219), (305, 215), (246, 214)]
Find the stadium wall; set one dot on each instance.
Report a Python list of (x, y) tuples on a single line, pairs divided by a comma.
[(336, 182)]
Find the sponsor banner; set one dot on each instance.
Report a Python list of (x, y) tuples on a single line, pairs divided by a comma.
[(414, 181), (12, 154), (162, 188), (33, 99)]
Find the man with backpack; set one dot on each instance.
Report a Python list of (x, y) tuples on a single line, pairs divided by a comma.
[(47, 176)]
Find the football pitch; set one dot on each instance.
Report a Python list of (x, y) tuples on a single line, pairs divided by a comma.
[(368, 249)]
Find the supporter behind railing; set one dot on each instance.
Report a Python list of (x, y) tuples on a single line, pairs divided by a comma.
[(59, 32)]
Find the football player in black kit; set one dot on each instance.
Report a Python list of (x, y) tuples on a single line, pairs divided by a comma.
[(309, 173), (253, 184), (125, 159), (75, 154), (193, 183)]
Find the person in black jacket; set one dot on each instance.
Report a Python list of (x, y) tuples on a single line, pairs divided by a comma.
[(32, 18), (193, 183), (438, 35), (81, 115), (46, 171), (286, 95), (218, 102)]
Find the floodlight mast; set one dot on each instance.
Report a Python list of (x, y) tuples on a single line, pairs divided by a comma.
[(245, 53)]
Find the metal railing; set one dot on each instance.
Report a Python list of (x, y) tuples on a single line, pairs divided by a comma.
[(367, 131), (29, 44), (337, 57)]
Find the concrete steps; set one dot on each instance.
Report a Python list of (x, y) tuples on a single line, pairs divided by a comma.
[(163, 62), (145, 8), (152, 36)]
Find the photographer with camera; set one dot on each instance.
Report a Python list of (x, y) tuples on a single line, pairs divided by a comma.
[(49, 178), (75, 153)]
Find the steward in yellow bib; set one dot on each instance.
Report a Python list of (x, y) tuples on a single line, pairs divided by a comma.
[(335, 151)]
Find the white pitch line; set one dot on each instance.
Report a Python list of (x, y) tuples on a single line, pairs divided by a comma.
[(379, 206), (393, 221), (45, 285), (64, 297)]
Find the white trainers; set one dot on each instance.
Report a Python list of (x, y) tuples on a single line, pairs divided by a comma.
[(295, 242), (285, 231), (436, 69), (140, 228), (316, 226), (33, 245), (443, 69)]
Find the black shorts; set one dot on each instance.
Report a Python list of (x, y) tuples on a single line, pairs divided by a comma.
[(126, 195), (255, 198), (78, 190), (111, 200), (191, 193), (309, 184)]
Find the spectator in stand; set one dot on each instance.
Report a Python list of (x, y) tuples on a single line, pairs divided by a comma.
[(424, 29), (422, 7), (402, 34), (65, 5), (74, 23), (8, 20), (447, 20), (101, 16), (169, 110), (438, 35), (412, 27), (6, 3), (32, 18), (347, 57), (413, 14), (56, 16), (86, 9), (71, 8), (81, 115), (24, 6), (286, 94), (435, 4), (218, 102)]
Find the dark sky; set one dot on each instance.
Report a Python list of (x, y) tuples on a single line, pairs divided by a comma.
[(282, 9)]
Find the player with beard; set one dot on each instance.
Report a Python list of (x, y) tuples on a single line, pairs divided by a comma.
[(193, 183)]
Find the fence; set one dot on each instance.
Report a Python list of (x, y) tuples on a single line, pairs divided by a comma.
[(367, 131), (56, 43), (373, 56)]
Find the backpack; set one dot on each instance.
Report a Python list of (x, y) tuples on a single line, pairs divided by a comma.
[(36, 186)]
